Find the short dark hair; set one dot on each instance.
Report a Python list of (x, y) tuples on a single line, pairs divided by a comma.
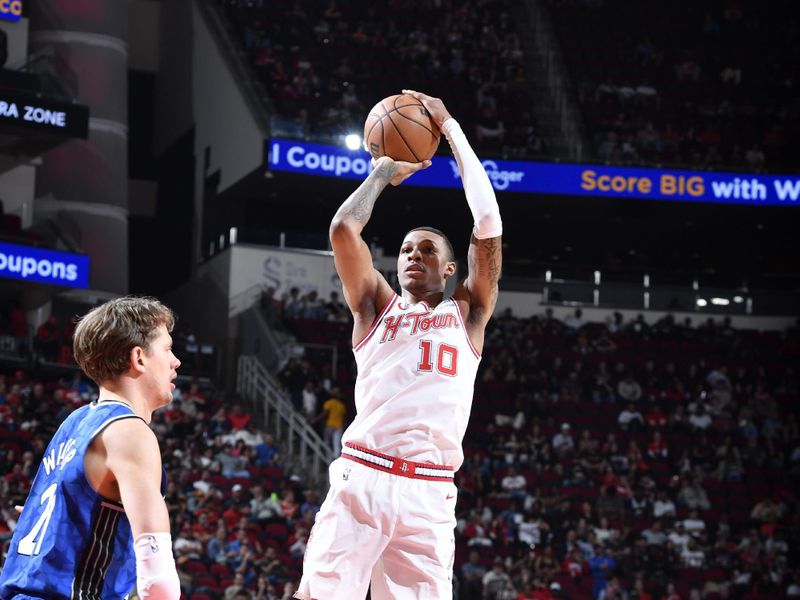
[(450, 252)]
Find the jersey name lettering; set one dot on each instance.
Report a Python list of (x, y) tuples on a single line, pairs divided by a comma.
[(66, 452), (416, 322)]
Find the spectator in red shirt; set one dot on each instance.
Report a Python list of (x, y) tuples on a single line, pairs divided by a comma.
[(574, 564), (288, 505), (540, 591), (18, 323), (656, 418), (657, 449), (639, 592), (237, 418), (47, 339)]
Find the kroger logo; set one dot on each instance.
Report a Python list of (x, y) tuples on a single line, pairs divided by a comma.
[(500, 179)]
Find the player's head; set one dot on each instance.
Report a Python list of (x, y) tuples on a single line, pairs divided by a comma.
[(124, 333), (426, 260)]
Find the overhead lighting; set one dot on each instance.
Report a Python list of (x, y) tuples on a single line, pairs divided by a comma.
[(738, 299), (352, 141), (720, 301), (701, 302)]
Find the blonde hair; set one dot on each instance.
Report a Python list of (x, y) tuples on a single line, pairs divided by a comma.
[(106, 334)]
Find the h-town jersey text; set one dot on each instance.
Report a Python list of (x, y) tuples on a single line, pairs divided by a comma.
[(416, 377)]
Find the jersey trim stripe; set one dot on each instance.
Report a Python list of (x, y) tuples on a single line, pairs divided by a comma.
[(376, 322), (110, 421), (91, 571), (98, 403), (112, 505), (464, 328)]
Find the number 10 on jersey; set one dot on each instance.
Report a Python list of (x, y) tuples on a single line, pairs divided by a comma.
[(442, 356)]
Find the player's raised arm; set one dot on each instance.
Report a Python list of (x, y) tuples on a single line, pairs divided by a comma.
[(484, 257), (365, 290)]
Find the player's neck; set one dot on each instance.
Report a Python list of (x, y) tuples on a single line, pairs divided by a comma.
[(123, 393), (431, 299)]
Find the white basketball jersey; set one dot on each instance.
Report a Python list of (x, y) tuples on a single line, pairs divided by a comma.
[(416, 376)]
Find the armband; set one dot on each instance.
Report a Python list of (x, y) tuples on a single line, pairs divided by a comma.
[(156, 575)]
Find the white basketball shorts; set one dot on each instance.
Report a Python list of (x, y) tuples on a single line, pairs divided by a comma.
[(393, 531)]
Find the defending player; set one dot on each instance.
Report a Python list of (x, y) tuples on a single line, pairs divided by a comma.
[(389, 516), (95, 524)]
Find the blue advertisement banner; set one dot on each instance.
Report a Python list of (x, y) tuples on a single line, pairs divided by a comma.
[(44, 266), (555, 178), (11, 10)]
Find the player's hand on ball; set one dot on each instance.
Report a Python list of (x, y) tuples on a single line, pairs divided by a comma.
[(434, 106), (399, 170)]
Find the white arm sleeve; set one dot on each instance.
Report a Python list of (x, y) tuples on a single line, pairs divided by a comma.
[(477, 187), (156, 575)]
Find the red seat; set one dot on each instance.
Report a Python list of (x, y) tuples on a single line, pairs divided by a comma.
[(277, 531), (208, 581), (221, 570), (195, 566)]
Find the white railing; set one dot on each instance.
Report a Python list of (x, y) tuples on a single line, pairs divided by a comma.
[(303, 446)]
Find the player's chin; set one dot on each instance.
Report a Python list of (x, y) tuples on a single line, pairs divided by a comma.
[(413, 277), (410, 281)]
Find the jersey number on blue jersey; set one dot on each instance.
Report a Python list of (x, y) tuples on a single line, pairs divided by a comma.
[(32, 543)]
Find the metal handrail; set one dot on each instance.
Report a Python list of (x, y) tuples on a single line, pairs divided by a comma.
[(304, 447)]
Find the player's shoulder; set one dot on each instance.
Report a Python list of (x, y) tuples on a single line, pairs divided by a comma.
[(130, 422), (129, 433)]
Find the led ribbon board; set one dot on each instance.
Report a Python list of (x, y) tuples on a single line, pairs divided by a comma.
[(41, 265), (11, 10), (554, 178)]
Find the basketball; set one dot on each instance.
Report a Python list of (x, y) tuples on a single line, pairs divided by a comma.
[(401, 128)]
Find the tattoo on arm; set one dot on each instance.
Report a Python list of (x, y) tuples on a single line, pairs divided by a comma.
[(361, 202), (485, 261), (490, 259)]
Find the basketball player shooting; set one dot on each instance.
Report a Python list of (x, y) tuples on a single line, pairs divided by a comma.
[(389, 516)]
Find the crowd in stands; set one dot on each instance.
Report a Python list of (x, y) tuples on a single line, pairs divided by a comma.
[(617, 460), (326, 64), (673, 91), (702, 84)]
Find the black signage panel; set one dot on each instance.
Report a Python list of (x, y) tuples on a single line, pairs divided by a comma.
[(27, 113)]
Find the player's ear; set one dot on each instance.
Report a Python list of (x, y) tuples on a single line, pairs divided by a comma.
[(449, 269), (136, 359)]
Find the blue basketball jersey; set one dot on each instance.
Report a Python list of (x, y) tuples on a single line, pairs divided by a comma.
[(70, 542)]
